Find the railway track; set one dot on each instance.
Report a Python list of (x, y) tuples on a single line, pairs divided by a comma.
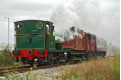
[(6, 70), (29, 68)]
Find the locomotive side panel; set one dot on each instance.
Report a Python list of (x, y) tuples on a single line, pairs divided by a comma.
[(51, 42), (30, 42)]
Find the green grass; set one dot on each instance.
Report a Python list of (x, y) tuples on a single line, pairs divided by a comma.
[(95, 69)]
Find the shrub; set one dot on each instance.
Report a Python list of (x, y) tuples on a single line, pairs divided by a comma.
[(6, 58)]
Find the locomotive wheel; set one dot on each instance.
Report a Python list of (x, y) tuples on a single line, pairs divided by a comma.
[(68, 57), (57, 61), (51, 62)]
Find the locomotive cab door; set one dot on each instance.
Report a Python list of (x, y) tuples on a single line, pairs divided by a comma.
[(47, 31), (49, 38)]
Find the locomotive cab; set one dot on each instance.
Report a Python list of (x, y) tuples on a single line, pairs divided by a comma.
[(30, 34)]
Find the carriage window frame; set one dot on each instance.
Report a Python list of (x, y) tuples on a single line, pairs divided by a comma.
[(19, 26), (39, 26)]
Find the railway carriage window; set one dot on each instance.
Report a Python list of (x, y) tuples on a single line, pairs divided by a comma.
[(20, 26), (39, 25)]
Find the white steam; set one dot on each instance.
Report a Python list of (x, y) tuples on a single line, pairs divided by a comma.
[(69, 34), (91, 16)]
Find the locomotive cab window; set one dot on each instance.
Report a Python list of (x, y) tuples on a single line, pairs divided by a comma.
[(47, 28), (39, 25), (20, 26)]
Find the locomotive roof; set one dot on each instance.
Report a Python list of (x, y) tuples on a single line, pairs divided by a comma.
[(34, 20)]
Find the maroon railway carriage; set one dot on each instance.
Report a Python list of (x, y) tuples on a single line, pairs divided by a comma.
[(85, 45)]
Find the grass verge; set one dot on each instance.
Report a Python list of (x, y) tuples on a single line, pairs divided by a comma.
[(96, 69)]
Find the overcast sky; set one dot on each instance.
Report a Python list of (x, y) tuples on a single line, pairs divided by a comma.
[(100, 17)]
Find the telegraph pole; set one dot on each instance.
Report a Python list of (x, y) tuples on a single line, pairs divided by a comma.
[(8, 31)]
